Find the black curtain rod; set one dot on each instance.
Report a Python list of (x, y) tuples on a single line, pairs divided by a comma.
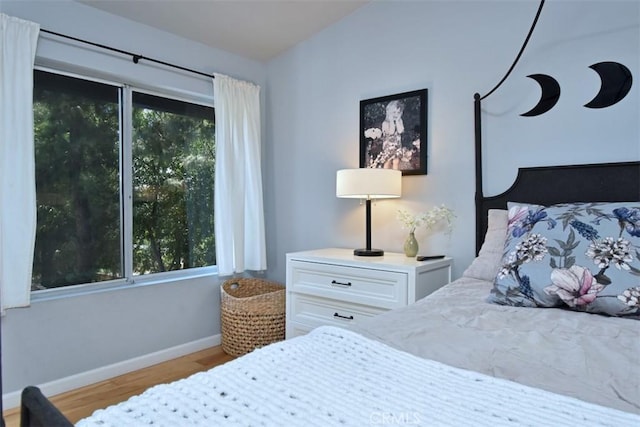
[(134, 56)]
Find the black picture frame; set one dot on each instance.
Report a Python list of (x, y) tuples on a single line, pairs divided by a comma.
[(398, 144)]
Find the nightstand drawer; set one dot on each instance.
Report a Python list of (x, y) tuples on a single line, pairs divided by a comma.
[(332, 286), (315, 311), (379, 288)]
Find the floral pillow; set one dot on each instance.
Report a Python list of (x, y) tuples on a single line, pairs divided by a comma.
[(581, 256)]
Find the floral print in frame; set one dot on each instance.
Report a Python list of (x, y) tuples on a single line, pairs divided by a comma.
[(393, 132)]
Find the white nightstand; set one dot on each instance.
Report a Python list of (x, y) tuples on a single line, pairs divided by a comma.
[(332, 286)]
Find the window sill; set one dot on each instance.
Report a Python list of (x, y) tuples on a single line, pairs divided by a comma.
[(120, 284)]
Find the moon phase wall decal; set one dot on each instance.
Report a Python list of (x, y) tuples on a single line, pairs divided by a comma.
[(550, 94), (616, 83)]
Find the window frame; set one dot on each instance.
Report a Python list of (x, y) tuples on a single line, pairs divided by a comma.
[(129, 280)]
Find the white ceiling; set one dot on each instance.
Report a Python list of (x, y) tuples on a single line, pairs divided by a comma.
[(256, 29)]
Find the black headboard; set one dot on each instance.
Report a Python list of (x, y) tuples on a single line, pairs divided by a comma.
[(604, 182)]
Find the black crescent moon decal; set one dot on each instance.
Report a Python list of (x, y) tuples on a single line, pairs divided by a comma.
[(616, 84), (550, 95)]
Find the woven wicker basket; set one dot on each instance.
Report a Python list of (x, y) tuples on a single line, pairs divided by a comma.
[(252, 314)]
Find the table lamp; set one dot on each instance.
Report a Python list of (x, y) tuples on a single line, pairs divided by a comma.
[(368, 184)]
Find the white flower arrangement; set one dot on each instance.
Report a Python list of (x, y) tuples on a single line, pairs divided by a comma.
[(427, 219)]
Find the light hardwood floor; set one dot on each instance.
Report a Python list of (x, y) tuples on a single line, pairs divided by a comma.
[(80, 403)]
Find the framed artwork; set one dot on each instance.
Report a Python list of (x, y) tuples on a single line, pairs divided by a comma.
[(393, 132)]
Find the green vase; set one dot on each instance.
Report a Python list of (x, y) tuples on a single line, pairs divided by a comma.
[(411, 245)]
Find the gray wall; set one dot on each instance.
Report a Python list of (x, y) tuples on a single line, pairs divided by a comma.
[(58, 338), (454, 49)]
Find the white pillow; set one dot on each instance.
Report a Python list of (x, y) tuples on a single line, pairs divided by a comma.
[(487, 264)]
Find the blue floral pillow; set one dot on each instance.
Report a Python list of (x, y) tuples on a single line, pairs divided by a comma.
[(581, 256)]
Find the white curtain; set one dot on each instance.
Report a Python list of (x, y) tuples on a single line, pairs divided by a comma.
[(18, 39), (239, 215)]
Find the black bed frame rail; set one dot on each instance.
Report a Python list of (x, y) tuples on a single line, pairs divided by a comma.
[(38, 411), (547, 185)]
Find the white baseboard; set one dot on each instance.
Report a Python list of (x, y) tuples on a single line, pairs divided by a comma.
[(62, 385)]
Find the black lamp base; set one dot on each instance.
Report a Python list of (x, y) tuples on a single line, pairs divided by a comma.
[(368, 252)]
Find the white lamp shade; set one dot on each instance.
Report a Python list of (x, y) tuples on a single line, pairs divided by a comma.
[(369, 183)]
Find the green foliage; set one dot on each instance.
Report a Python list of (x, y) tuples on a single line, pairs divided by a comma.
[(79, 236), (563, 252), (77, 182), (173, 166)]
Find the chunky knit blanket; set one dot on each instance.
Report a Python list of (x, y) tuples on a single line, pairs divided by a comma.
[(336, 377)]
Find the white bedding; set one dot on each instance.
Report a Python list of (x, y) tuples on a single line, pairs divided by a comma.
[(336, 377), (591, 357)]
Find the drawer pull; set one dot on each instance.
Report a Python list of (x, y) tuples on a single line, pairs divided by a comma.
[(335, 282), (342, 317)]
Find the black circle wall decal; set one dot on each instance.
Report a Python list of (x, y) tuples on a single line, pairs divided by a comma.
[(550, 94), (615, 84)]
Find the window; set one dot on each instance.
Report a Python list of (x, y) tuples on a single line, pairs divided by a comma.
[(77, 149), (99, 220), (173, 170)]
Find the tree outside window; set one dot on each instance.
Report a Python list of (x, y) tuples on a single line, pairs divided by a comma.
[(80, 236)]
